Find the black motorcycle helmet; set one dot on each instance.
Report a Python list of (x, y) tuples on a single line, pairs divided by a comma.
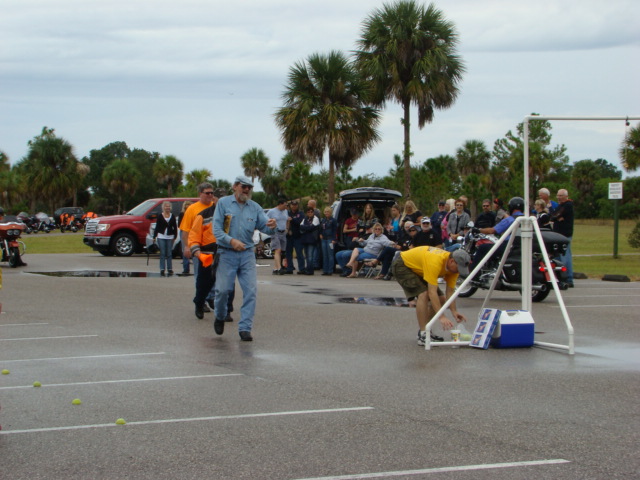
[(516, 203)]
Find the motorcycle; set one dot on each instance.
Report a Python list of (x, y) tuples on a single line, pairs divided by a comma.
[(68, 223), (511, 276), (42, 223), (12, 248)]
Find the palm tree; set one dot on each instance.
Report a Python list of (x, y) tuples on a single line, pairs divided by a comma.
[(408, 52), (630, 149), (121, 178), (198, 176), (50, 168), (4, 162), (168, 171), (254, 162), (326, 110)]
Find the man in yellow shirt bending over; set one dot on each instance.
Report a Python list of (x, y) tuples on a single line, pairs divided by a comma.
[(417, 271)]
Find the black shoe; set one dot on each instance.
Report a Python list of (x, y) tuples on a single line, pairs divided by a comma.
[(170, 273), (282, 271), (387, 277), (570, 284), (310, 272), (206, 308), (288, 272), (162, 273), (326, 274), (345, 272), (210, 303), (275, 272), (301, 273), (218, 326), (246, 337), (199, 312), (228, 318)]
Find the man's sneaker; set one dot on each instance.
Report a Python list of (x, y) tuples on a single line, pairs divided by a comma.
[(228, 318), (199, 313), (246, 336), (423, 337), (275, 272)]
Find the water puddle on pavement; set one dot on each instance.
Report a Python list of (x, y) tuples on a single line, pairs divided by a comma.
[(97, 273), (376, 301)]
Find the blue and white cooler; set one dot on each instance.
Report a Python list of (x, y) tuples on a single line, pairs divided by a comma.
[(515, 329)]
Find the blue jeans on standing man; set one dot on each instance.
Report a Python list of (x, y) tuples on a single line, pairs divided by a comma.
[(242, 265), (295, 244)]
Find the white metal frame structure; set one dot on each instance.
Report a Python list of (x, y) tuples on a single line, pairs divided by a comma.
[(529, 227)]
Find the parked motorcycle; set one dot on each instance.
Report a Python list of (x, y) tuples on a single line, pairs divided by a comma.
[(42, 223), (12, 247), (511, 276), (68, 223)]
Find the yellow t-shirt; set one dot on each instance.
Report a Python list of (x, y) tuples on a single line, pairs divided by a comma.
[(430, 263)]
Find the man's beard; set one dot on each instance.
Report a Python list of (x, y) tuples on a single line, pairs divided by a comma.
[(243, 197)]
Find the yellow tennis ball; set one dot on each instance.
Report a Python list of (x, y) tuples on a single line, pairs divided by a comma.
[(465, 337), (120, 421), (76, 401), (5, 372), (37, 384)]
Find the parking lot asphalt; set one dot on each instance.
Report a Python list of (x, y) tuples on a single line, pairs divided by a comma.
[(328, 388)]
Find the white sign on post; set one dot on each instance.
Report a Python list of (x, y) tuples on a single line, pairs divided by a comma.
[(615, 191)]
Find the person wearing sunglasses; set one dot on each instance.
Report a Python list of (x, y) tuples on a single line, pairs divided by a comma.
[(234, 222)]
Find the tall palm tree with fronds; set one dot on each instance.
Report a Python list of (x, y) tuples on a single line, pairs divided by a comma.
[(50, 168), (408, 52), (326, 110), (254, 162), (168, 171), (630, 149), (121, 178)]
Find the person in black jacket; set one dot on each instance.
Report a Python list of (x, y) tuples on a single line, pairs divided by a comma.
[(562, 219), (165, 232)]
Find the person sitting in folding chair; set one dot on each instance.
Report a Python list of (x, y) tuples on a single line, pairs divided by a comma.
[(371, 248)]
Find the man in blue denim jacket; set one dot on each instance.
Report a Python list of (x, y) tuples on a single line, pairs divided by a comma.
[(234, 221)]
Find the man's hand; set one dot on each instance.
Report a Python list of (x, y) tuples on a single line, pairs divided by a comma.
[(271, 223), (237, 245), (186, 252), (459, 317), (446, 323)]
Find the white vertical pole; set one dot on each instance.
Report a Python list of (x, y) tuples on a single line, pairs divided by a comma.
[(527, 229)]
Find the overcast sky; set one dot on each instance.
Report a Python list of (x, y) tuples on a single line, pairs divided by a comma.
[(201, 79)]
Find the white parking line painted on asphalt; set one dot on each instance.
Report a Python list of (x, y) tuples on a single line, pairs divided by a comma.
[(82, 357), (22, 324), (184, 420), (133, 380), (462, 468), (45, 338), (593, 306)]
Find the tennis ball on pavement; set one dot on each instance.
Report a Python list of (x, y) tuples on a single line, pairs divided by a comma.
[(76, 401), (120, 421), (5, 372), (37, 384)]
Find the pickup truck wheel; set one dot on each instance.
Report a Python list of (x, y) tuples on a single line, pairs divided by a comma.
[(124, 245)]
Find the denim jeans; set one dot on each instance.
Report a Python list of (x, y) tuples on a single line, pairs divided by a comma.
[(295, 244), (186, 264), (309, 254), (165, 245), (328, 259), (242, 265)]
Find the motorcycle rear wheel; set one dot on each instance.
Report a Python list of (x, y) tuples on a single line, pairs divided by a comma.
[(540, 295), (468, 291)]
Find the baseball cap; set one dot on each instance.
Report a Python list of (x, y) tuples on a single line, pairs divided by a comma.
[(426, 220), (442, 202), (219, 192), (244, 180), (463, 260)]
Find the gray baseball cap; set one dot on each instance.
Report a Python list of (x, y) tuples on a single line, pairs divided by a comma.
[(244, 180), (463, 260)]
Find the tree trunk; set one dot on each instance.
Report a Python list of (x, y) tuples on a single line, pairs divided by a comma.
[(407, 149), (332, 179)]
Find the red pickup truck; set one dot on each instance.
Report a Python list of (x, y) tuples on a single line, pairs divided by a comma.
[(124, 235)]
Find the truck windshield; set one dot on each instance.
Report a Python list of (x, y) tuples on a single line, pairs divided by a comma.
[(142, 208)]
